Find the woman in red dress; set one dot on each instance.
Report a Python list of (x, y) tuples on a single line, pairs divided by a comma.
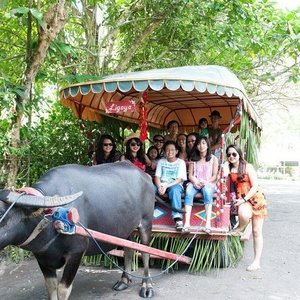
[(250, 200)]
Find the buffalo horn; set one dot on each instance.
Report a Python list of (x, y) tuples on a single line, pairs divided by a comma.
[(37, 201)]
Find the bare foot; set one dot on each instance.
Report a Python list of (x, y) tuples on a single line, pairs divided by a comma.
[(253, 267)]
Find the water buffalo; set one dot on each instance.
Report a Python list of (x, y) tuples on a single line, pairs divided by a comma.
[(116, 199)]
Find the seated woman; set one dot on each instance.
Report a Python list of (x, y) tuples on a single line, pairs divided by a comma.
[(135, 152), (158, 141), (190, 142), (106, 150), (203, 171)]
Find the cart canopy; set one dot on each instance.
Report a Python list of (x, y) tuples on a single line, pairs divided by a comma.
[(184, 94)]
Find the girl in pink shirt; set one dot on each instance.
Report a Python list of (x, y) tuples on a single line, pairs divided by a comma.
[(203, 171)]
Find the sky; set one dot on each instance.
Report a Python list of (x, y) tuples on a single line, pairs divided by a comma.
[(287, 4)]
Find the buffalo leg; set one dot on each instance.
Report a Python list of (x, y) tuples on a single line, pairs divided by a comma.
[(50, 281), (147, 288), (126, 278), (70, 270)]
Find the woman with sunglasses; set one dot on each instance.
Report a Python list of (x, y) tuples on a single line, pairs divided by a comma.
[(190, 142), (158, 141), (106, 150), (250, 200), (135, 152)]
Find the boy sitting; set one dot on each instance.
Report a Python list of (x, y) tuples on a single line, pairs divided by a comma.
[(169, 176)]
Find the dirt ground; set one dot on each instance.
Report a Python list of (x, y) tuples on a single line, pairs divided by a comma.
[(278, 279)]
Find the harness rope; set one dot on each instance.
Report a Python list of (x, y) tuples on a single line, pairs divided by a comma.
[(130, 274), (36, 231), (11, 206)]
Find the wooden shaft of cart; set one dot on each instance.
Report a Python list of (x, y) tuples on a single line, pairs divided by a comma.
[(132, 245)]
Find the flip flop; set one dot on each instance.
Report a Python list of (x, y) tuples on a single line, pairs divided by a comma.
[(236, 233), (186, 229), (207, 230)]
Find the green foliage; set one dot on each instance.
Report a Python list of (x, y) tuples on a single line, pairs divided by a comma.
[(16, 254), (57, 140), (250, 37)]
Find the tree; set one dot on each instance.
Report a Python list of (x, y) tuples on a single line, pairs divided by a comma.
[(47, 30), (250, 37)]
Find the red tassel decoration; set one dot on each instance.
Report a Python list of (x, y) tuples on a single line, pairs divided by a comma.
[(143, 116)]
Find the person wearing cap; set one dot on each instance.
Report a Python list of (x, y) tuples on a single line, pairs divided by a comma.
[(173, 128), (215, 133), (135, 152)]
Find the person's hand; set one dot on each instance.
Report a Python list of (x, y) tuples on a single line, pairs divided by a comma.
[(162, 190), (198, 184), (238, 202)]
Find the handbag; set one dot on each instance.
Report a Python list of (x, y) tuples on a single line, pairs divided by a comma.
[(258, 201)]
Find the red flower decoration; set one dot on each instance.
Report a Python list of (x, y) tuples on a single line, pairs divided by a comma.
[(143, 117)]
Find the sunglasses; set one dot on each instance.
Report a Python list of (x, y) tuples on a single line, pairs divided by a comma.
[(159, 141), (192, 141), (135, 144), (234, 154), (107, 144)]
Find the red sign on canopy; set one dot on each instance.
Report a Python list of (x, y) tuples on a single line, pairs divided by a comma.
[(127, 105)]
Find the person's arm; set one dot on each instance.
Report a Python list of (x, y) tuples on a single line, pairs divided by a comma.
[(174, 182), (192, 177), (148, 161), (215, 168), (157, 176), (157, 181), (254, 185), (253, 181), (122, 157), (162, 188), (226, 170)]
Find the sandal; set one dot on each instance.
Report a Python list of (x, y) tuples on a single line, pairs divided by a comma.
[(179, 225), (186, 229), (253, 268), (236, 233), (207, 229)]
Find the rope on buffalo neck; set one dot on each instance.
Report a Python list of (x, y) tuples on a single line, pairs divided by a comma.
[(130, 274), (11, 206)]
